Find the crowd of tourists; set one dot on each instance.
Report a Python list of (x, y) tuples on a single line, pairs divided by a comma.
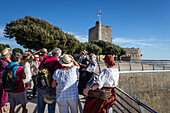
[(57, 79)]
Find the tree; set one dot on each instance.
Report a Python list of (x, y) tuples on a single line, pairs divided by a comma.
[(69, 44), (18, 50), (109, 48), (81, 46), (93, 48), (3, 46), (122, 52), (34, 33)]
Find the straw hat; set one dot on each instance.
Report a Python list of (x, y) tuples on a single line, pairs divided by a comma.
[(36, 56), (49, 99), (5, 52), (66, 61)]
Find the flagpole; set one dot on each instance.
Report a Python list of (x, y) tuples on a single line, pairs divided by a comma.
[(100, 16)]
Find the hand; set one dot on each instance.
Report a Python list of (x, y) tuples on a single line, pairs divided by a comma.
[(80, 63), (85, 91), (7, 59), (94, 86), (72, 59), (34, 73)]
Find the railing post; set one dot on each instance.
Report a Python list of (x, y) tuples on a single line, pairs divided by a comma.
[(153, 65), (130, 66), (142, 65), (118, 65), (163, 66)]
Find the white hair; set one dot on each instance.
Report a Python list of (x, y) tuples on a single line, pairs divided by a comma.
[(56, 52)]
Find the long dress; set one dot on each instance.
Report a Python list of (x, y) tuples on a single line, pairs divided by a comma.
[(108, 78), (97, 105), (3, 94)]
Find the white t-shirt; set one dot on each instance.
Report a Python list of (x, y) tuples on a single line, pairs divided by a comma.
[(108, 78), (27, 71)]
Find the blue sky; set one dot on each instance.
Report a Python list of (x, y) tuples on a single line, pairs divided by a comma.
[(143, 24)]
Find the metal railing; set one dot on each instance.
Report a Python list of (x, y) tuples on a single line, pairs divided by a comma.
[(143, 65), (123, 108)]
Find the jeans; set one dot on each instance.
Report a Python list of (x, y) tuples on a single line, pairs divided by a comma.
[(42, 103), (64, 106), (34, 85)]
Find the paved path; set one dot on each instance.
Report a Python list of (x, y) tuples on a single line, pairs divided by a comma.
[(32, 106)]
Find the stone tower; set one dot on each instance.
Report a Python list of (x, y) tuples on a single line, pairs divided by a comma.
[(100, 32)]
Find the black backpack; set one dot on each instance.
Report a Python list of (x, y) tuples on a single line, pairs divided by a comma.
[(8, 82), (44, 77), (85, 79)]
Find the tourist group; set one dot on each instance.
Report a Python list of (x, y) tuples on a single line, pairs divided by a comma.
[(56, 78)]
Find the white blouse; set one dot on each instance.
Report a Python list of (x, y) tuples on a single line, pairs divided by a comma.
[(27, 71), (108, 78)]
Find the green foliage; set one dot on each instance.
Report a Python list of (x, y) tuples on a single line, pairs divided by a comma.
[(34, 33), (93, 48), (81, 46), (3, 46), (103, 45), (109, 48), (69, 44), (122, 52), (17, 50)]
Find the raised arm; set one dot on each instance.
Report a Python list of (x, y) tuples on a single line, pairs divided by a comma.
[(75, 63)]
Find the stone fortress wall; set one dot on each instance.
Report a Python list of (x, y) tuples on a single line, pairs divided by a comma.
[(100, 32), (132, 54), (152, 88)]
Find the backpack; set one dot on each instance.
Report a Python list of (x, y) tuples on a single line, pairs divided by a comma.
[(8, 81), (85, 79), (44, 77)]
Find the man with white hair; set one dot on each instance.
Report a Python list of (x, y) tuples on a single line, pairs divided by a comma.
[(57, 52), (52, 63)]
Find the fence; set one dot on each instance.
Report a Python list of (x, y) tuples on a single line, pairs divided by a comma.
[(143, 65)]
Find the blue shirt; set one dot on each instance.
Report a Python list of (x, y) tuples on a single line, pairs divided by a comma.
[(66, 89)]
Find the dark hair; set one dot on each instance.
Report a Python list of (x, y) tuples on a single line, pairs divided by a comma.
[(15, 57), (24, 57)]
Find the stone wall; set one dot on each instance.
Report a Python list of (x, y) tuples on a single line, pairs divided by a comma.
[(106, 33), (133, 53), (151, 88), (100, 32)]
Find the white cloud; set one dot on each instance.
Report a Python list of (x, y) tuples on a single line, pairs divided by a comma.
[(130, 42), (80, 37), (1, 32), (11, 42)]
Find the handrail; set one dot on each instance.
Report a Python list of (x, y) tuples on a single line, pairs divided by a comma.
[(132, 98), (119, 108), (123, 106), (128, 103), (143, 65), (137, 101)]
